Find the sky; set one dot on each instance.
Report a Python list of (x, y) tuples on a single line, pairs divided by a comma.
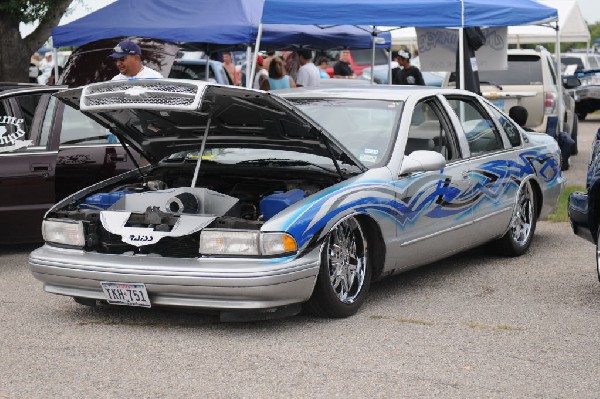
[(589, 8)]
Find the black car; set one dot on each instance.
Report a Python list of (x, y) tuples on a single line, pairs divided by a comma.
[(47, 151), (584, 207)]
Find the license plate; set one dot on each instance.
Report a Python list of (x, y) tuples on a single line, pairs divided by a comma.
[(498, 103), (130, 294)]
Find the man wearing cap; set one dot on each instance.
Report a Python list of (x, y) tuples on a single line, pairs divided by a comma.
[(261, 72), (128, 56), (408, 74)]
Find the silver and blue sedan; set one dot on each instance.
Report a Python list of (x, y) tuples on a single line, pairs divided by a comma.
[(254, 203)]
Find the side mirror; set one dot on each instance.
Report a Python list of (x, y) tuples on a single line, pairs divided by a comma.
[(571, 82), (422, 161)]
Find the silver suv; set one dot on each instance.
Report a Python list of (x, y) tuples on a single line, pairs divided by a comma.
[(587, 96), (532, 82)]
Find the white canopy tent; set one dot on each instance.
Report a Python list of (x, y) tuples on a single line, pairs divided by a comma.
[(571, 24), (572, 27)]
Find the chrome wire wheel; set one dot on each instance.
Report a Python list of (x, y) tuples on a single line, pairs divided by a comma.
[(346, 257), (521, 225)]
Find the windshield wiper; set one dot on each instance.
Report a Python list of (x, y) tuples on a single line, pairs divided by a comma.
[(483, 82)]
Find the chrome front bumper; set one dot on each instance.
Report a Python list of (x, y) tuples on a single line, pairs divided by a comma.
[(211, 283)]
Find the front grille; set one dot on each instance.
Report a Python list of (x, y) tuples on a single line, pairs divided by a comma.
[(143, 93), (174, 247), (189, 89), (156, 100)]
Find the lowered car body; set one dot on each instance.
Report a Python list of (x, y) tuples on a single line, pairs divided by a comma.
[(254, 201)]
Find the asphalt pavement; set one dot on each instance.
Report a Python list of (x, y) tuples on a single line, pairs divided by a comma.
[(472, 326)]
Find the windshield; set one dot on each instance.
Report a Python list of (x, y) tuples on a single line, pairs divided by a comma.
[(366, 128)]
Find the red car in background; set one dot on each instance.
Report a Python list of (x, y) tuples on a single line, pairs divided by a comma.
[(359, 59)]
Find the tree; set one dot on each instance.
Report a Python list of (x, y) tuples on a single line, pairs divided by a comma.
[(15, 52)]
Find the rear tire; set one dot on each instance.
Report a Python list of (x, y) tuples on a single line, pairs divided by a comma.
[(516, 241), (345, 274)]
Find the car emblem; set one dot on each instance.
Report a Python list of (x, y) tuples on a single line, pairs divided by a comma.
[(135, 91)]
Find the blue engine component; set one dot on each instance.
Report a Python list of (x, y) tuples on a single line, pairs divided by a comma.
[(102, 200), (273, 204)]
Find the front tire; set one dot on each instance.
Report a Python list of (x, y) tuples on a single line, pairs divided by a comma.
[(345, 274), (516, 241)]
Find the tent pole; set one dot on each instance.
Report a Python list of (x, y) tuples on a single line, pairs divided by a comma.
[(373, 36), (249, 76), (207, 75), (461, 58), (250, 79), (55, 56), (560, 82), (390, 64)]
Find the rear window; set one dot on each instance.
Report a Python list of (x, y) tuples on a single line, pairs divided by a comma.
[(572, 61), (522, 70)]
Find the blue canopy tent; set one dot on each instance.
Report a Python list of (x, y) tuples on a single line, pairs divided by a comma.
[(448, 13), (230, 22)]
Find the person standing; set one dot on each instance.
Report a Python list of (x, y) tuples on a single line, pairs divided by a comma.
[(128, 57), (323, 64), (267, 61), (234, 76), (278, 79), (342, 68), (261, 73), (308, 73), (408, 74), (46, 68)]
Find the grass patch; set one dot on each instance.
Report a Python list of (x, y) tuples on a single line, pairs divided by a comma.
[(561, 214)]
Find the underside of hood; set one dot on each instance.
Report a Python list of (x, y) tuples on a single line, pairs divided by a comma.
[(160, 117)]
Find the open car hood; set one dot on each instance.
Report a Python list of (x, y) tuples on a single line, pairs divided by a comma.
[(160, 117)]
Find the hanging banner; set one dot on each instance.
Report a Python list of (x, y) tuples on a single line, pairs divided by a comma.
[(438, 47)]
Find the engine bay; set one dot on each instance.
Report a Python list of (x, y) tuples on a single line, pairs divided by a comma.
[(161, 213)]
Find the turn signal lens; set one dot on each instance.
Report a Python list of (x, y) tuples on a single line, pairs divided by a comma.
[(277, 243)]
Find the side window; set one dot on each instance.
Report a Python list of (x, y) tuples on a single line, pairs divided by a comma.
[(479, 129), (428, 132), (16, 117), (510, 128), (47, 122), (78, 129)]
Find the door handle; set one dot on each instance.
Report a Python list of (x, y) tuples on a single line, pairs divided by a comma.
[(40, 167), (116, 157)]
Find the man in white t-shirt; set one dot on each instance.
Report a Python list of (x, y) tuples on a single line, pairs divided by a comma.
[(128, 56), (308, 73)]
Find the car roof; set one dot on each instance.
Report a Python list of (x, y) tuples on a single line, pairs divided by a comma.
[(375, 92)]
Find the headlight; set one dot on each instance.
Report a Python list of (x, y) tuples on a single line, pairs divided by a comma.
[(66, 232), (243, 242)]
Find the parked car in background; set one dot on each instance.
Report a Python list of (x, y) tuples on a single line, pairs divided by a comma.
[(299, 196), (584, 207), (435, 79), (47, 151), (359, 59), (531, 80), (196, 70), (585, 66)]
